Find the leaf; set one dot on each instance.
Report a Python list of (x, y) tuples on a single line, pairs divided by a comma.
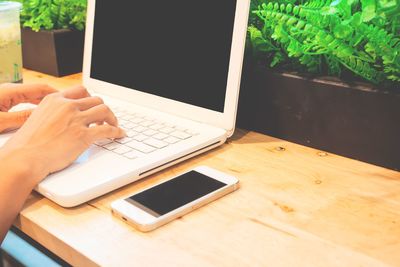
[(368, 10), (328, 10), (294, 49), (342, 31), (356, 19), (278, 58)]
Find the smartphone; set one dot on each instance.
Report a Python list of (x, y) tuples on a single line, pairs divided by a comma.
[(171, 199)]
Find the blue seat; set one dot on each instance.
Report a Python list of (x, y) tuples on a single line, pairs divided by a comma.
[(24, 253)]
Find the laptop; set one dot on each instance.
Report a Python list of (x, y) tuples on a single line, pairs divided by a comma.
[(170, 70)]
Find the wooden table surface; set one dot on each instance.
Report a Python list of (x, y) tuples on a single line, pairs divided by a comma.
[(297, 206)]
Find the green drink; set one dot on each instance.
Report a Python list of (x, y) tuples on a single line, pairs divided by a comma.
[(10, 43)]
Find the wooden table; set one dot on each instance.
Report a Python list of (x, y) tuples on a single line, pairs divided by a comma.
[(297, 206)]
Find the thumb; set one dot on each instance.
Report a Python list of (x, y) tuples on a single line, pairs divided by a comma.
[(13, 120)]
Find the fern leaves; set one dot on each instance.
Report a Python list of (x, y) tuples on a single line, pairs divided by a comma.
[(329, 35)]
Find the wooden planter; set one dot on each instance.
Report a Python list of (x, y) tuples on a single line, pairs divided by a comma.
[(355, 121), (57, 52)]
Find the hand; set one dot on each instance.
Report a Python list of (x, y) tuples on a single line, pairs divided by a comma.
[(63, 126), (14, 94)]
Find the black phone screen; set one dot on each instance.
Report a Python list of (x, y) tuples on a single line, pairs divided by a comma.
[(175, 193)]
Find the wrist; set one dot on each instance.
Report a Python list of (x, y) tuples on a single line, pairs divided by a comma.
[(24, 164)]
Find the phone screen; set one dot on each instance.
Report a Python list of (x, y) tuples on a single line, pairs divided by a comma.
[(175, 193)]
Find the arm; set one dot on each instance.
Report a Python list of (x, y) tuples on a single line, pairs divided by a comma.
[(16, 183), (62, 127)]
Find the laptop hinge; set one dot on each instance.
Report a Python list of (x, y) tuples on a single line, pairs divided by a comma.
[(192, 154)]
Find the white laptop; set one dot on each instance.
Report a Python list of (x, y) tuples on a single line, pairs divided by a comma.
[(171, 71)]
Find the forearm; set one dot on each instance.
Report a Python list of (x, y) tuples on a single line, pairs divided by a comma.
[(18, 177)]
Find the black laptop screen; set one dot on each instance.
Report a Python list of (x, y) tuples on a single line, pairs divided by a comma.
[(178, 49)]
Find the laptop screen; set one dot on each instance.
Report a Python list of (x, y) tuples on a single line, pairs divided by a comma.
[(177, 49)]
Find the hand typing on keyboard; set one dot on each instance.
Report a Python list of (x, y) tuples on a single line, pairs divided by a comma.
[(62, 126)]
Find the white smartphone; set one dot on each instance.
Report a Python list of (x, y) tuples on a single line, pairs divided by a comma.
[(168, 200)]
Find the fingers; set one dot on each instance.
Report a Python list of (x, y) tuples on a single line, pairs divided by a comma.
[(89, 102), (13, 120), (14, 94), (76, 93), (99, 114), (33, 91), (105, 131)]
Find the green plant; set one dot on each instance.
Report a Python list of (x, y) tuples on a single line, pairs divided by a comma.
[(329, 36), (53, 14)]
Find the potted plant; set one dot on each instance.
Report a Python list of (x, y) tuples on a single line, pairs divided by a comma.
[(53, 35), (326, 74)]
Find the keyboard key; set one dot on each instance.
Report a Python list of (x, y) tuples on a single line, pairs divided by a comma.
[(133, 154), (180, 135), (149, 132), (103, 142), (160, 136), (141, 147), (126, 117), (131, 133), (131, 113), (139, 129), (167, 130), (157, 126), (112, 146), (129, 125), (172, 140), (180, 128), (140, 137), (147, 123), (123, 140), (191, 132), (167, 124), (122, 149), (155, 143), (137, 120)]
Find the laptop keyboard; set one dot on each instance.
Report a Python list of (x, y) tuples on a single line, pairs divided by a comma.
[(144, 134)]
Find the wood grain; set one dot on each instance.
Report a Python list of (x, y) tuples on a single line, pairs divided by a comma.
[(297, 206)]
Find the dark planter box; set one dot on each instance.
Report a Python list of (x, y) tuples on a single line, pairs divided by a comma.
[(57, 52), (354, 120)]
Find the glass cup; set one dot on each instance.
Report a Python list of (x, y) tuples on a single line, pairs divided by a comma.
[(10, 43)]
